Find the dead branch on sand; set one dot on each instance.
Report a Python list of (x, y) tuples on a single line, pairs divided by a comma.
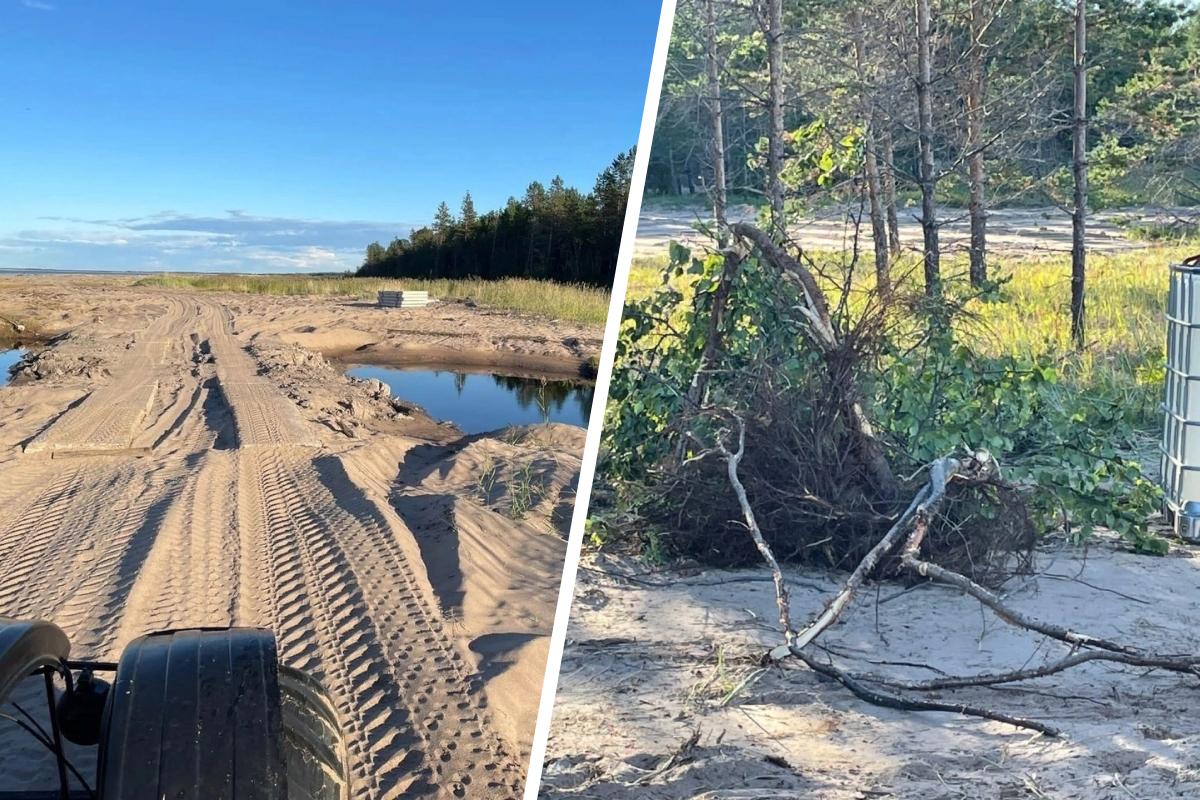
[(907, 536)]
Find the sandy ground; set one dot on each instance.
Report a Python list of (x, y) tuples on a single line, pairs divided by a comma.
[(176, 460), (649, 667), (1018, 231), (450, 334)]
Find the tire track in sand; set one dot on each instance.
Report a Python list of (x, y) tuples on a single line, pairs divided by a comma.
[(111, 416), (190, 576), (269, 532), (345, 606)]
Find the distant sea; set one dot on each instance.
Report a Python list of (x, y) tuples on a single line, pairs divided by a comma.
[(134, 272), (36, 271)]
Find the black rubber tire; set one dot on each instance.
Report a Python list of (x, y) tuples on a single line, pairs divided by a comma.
[(195, 715), (26, 646), (314, 749)]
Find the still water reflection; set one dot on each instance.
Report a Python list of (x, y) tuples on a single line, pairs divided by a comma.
[(481, 401)]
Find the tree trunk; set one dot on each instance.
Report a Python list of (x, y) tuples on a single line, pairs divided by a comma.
[(883, 280), (929, 228), (977, 206), (718, 127), (676, 189), (1079, 169), (887, 150), (775, 110)]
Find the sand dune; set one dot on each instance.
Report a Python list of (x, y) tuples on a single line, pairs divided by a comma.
[(159, 470)]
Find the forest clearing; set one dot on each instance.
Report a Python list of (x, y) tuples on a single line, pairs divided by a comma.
[(1011, 231)]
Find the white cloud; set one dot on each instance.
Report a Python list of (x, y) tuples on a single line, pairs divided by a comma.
[(238, 241), (37, 5)]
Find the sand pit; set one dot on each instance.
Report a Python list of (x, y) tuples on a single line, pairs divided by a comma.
[(650, 705), (175, 460)]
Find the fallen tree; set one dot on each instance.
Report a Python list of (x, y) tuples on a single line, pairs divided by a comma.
[(902, 546)]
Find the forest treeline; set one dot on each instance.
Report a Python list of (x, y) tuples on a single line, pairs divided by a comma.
[(961, 103), (551, 233), (1001, 83)]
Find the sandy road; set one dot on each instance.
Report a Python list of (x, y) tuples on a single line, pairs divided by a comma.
[(187, 490)]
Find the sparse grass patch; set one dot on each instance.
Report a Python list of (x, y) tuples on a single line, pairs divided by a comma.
[(574, 302), (731, 671), (524, 491), (489, 471)]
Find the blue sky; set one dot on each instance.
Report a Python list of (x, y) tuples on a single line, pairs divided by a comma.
[(270, 136)]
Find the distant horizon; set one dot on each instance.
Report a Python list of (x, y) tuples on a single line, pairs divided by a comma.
[(131, 271), (282, 139)]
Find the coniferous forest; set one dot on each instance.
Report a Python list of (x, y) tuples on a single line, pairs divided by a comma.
[(551, 233)]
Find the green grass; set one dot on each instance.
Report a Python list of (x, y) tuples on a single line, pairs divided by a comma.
[(1181, 232), (1126, 328), (577, 303)]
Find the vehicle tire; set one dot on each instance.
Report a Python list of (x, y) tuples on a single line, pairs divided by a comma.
[(195, 715), (314, 749)]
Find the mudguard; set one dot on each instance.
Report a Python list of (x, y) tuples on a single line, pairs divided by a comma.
[(194, 715), (26, 646)]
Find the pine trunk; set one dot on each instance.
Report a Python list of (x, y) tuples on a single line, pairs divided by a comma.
[(718, 125), (1079, 170), (929, 227), (775, 109), (883, 280), (887, 151), (977, 206)]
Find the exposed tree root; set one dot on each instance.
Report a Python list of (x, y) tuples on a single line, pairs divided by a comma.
[(920, 508)]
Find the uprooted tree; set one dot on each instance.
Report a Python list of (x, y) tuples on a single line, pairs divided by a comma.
[(771, 387)]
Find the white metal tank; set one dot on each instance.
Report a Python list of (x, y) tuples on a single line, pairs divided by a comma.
[(1180, 472)]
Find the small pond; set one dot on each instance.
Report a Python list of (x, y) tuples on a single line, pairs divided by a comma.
[(482, 401), (7, 359)]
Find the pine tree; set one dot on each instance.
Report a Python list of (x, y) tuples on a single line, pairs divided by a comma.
[(469, 216), (443, 220)]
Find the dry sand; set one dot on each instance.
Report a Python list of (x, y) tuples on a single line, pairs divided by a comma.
[(176, 460), (646, 667), (1024, 231)]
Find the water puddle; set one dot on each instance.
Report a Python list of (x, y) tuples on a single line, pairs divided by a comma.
[(7, 359), (482, 401)]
